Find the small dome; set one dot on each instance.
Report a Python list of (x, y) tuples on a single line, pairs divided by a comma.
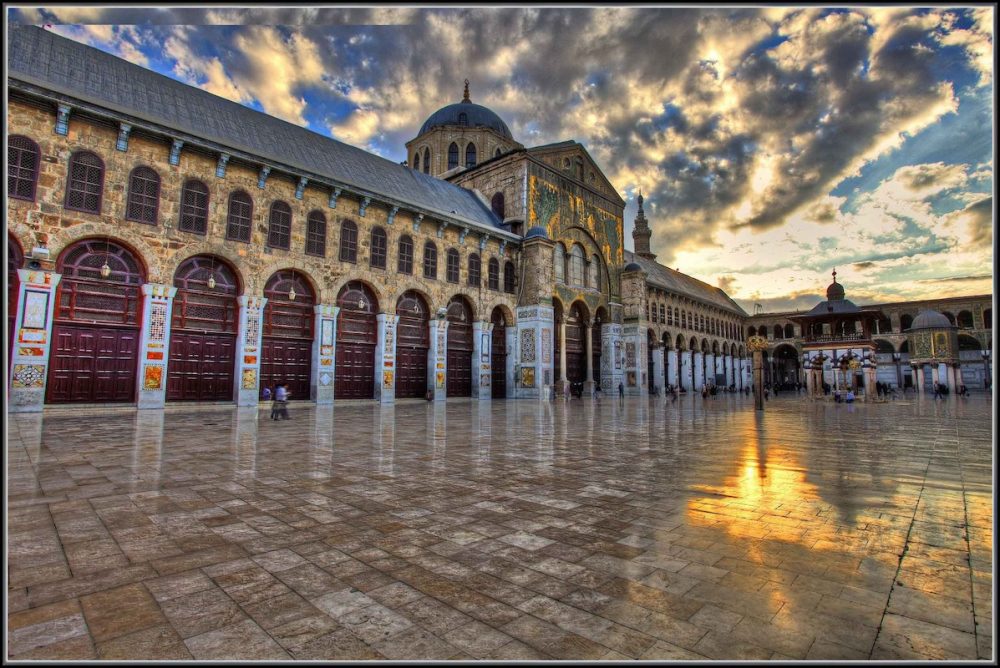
[(633, 266), (536, 232), (834, 291), (930, 320)]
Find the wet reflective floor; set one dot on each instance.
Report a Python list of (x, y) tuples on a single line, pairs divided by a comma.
[(505, 530)]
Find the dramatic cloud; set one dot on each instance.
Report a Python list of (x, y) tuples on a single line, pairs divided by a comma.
[(770, 143)]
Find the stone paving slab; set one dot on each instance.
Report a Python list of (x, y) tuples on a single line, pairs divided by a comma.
[(578, 530)]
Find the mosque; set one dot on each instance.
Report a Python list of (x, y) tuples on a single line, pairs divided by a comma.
[(168, 245)]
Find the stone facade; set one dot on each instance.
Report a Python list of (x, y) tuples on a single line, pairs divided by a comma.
[(487, 142)]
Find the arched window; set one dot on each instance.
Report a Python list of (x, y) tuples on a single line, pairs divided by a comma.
[(497, 205), (453, 156), (86, 295), (559, 264), (789, 331), (965, 319), (405, 263), (595, 272), (379, 251), (670, 315), (905, 321), (576, 263), (85, 185), (427, 161), (475, 270), (508, 277), (194, 207), (463, 119), (416, 161), (496, 153), (279, 226), (493, 274), (22, 167), (778, 332), (451, 270), (316, 233), (430, 260), (470, 155), (752, 331), (239, 217), (663, 314), (348, 241), (143, 196)]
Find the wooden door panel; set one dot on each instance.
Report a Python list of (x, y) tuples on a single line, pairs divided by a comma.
[(92, 364), (285, 360), (411, 372), (459, 373), (355, 371), (201, 367)]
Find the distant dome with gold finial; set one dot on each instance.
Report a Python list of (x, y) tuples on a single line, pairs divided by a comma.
[(466, 114), (835, 290)]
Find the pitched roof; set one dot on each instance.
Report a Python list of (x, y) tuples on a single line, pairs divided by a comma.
[(57, 64), (678, 283)]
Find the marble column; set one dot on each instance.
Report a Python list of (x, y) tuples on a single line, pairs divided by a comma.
[(154, 345), (758, 379), (612, 358), (385, 358), (588, 385), (709, 368), (511, 338), (699, 371), (324, 353), (918, 378), (658, 368), (437, 367), (32, 332), (248, 350), (532, 352), (563, 386), (482, 360)]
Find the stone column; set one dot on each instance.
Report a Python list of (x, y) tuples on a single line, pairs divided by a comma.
[(953, 376), (563, 387), (658, 368), (588, 385), (511, 338), (154, 345), (934, 374), (437, 365), (385, 358), (482, 360), (248, 350), (918, 378), (636, 362), (29, 369), (324, 354), (612, 358), (709, 368), (699, 371), (532, 352)]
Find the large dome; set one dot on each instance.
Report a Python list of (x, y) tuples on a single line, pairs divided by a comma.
[(466, 113)]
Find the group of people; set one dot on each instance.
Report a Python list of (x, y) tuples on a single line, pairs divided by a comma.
[(279, 403)]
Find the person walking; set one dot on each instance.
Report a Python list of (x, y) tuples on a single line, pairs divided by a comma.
[(621, 394), (281, 396), (937, 391)]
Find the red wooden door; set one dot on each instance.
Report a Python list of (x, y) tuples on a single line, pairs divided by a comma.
[(459, 360), (412, 345), (576, 353), (499, 360), (357, 330), (287, 361), (411, 371), (92, 364), (355, 371), (201, 366)]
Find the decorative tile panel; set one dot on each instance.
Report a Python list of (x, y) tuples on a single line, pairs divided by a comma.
[(29, 375), (158, 322), (528, 345)]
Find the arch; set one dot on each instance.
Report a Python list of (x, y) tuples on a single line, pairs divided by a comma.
[(497, 205), (505, 312), (316, 233), (679, 343), (430, 260), (279, 226), (348, 241), (666, 340), (416, 161), (470, 155), (404, 260), (496, 153), (452, 265), (715, 347), (784, 365), (427, 161), (779, 333), (905, 322), (143, 203), (23, 161), (493, 274), (378, 248), (452, 155), (950, 316), (705, 348), (559, 263), (85, 182), (789, 331), (460, 315), (239, 218), (966, 342), (964, 319), (693, 345), (509, 277), (357, 331), (194, 207), (595, 272), (475, 278), (412, 344), (904, 347), (288, 332), (884, 347)]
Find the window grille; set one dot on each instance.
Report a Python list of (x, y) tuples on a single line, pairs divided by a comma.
[(194, 207), (316, 234), (470, 155), (22, 167), (143, 196), (452, 266), (508, 277), (453, 156), (493, 274), (85, 185), (348, 241), (379, 248), (239, 218), (475, 271), (405, 264), (279, 228), (430, 260)]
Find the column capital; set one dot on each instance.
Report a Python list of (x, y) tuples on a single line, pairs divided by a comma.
[(159, 290), (252, 301), (328, 310)]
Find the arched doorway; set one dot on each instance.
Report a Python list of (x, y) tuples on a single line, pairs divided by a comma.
[(203, 331), (287, 342), (459, 347), (412, 345), (786, 367), (596, 343), (15, 261), (576, 345), (96, 327), (357, 332), (498, 354)]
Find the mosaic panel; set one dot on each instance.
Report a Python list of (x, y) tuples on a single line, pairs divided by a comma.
[(387, 378), (253, 326), (630, 354), (546, 346), (528, 347), (158, 322), (152, 377), (326, 336), (36, 308), (618, 355), (249, 379), (29, 375), (527, 376)]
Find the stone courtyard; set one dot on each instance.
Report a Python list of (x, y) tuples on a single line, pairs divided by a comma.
[(506, 530)]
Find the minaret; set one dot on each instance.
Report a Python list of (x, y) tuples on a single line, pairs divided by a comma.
[(641, 233)]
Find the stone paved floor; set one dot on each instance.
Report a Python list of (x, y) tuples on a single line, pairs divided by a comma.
[(516, 530)]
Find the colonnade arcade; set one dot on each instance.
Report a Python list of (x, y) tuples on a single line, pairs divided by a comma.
[(93, 329), (691, 364)]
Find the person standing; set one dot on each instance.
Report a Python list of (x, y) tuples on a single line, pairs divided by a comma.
[(621, 394), (281, 396)]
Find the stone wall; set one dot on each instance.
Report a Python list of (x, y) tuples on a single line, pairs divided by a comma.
[(486, 141)]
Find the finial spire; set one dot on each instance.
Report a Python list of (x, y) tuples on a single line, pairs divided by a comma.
[(835, 275), (640, 198), (465, 97)]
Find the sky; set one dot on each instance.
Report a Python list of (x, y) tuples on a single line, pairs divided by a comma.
[(771, 144)]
